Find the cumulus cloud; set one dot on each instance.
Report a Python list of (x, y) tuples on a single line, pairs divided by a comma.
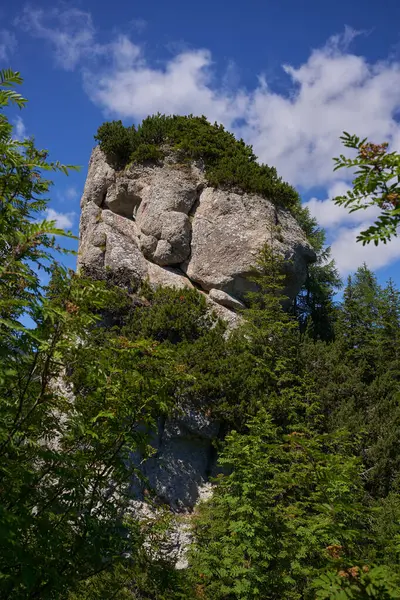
[(63, 220), (332, 92), (183, 86), (343, 228), (297, 131), (330, 215), (70, 31), (349, 254), (8, 44)]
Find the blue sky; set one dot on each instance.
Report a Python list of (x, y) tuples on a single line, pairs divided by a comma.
[(288, 76)]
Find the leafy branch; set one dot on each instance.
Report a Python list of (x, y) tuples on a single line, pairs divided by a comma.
[(376, 184)]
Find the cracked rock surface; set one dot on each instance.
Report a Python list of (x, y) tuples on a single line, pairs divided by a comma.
[(161, 222)]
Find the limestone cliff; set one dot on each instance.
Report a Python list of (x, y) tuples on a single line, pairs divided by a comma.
[(162, 222)]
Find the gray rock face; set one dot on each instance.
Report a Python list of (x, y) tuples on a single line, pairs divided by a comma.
[(100, 177), (162, 217), (184, 458), (178, 472), (173, 247), (147, 219), (225, 299), (228, 232), (167, 277), (123, 197), (163, 224)]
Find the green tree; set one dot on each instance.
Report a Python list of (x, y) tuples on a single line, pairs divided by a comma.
[(227, 161), (290, 507), (378, 583), (314, 306), (72, 396), (376, 183), (306, 505), (359, 320), (356, 376), (27, 241)]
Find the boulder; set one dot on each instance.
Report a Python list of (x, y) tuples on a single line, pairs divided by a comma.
[(124, 197), (225, 299), (228, 231), (173, 247), (184, 457), (100, 177), (163, 215), (167, 277), (160, 223)]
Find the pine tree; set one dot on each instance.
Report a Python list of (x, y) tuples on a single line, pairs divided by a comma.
[(290, 507), (360, 320), (314, 306)]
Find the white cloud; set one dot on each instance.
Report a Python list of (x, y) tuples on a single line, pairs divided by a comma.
[(297, 131), (123, 53), (19, 129), (63, 220), (349, 254), (70, 32), (343, 228), (8, 44), (72, 35), (182, 86), (330, 215), (332, 91)]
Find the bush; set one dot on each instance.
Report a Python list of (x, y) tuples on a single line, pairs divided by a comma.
[(228, 161), (378, 583), (116, 141), (172, 315), (146, 152)]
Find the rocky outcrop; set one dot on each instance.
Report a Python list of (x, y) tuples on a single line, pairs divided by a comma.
[(164, 224), (184, 458), (178, 474), (225, 299)]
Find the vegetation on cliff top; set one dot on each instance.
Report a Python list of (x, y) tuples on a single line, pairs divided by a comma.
[(227, 161)]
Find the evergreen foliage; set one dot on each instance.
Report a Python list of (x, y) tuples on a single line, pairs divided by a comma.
[(358, 375), (358, 583), (306, 505), (291, 507), (228, 161)]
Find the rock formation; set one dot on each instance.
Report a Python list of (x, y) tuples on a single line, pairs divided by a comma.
[(162, 223)]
